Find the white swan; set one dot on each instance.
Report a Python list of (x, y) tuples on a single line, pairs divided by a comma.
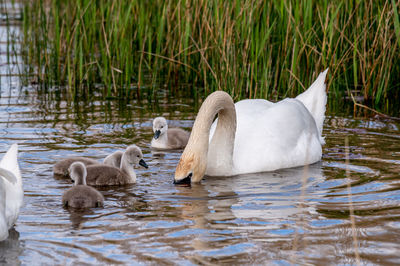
[(11, 197), (254, 135), (168, 139)]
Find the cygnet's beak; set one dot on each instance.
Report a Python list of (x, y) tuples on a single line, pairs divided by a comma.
[(143, 163), (157, 134)]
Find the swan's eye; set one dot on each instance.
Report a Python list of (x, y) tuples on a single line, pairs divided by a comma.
[(162, 126), (189, 175), (137, 156)]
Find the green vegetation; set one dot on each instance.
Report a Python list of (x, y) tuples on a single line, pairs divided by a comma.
[(252, 49)]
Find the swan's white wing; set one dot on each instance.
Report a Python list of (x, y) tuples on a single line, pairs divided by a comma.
[(271, 136), (10, 177), (14, 191)]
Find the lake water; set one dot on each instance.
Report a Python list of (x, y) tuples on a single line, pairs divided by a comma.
[(289, 216)]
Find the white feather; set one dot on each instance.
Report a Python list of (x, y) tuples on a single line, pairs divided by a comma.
[(314, 99)]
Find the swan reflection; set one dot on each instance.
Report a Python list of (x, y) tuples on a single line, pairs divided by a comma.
[(252, 201), (11, 248)]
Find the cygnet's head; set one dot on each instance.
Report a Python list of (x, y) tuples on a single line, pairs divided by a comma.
[(133, 154), (77, 172), (160, 126)]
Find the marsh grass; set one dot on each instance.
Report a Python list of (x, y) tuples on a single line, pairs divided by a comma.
[(251, 49)]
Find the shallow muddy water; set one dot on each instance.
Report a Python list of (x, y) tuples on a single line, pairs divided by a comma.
[(265, 218), (248, 219)]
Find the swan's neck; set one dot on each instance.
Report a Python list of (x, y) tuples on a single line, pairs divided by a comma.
[(163, 138), (161, 142), (127, 169), (79, 174), (222, 143), (220, 152), (80, 180)]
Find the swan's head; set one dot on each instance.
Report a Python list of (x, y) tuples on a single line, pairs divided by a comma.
[(77, 172), (191, 168), (133, 154), (160, 126)]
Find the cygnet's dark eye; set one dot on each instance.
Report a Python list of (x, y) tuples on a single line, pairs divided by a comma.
[(189, 175), (162, 126), (137, 156)]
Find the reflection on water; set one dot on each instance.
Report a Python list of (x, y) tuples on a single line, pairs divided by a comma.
[(298, 215), (11, 248)]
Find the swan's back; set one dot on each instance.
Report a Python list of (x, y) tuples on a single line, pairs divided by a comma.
[(249, 108), (114, 159), (177, 138), (314, 99), (105, 175), (60, 169)]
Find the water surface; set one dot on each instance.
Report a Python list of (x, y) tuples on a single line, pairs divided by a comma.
[(257, 218)]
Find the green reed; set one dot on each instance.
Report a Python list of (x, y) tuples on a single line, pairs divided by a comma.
[(252, 49)]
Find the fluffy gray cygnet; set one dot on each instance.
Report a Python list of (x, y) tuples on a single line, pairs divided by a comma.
[(81, 195), (168, 138), (106, 175), (60, 169)]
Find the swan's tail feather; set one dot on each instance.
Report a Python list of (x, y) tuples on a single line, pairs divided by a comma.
[(314, 99), (10, 177), (10, 161)]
